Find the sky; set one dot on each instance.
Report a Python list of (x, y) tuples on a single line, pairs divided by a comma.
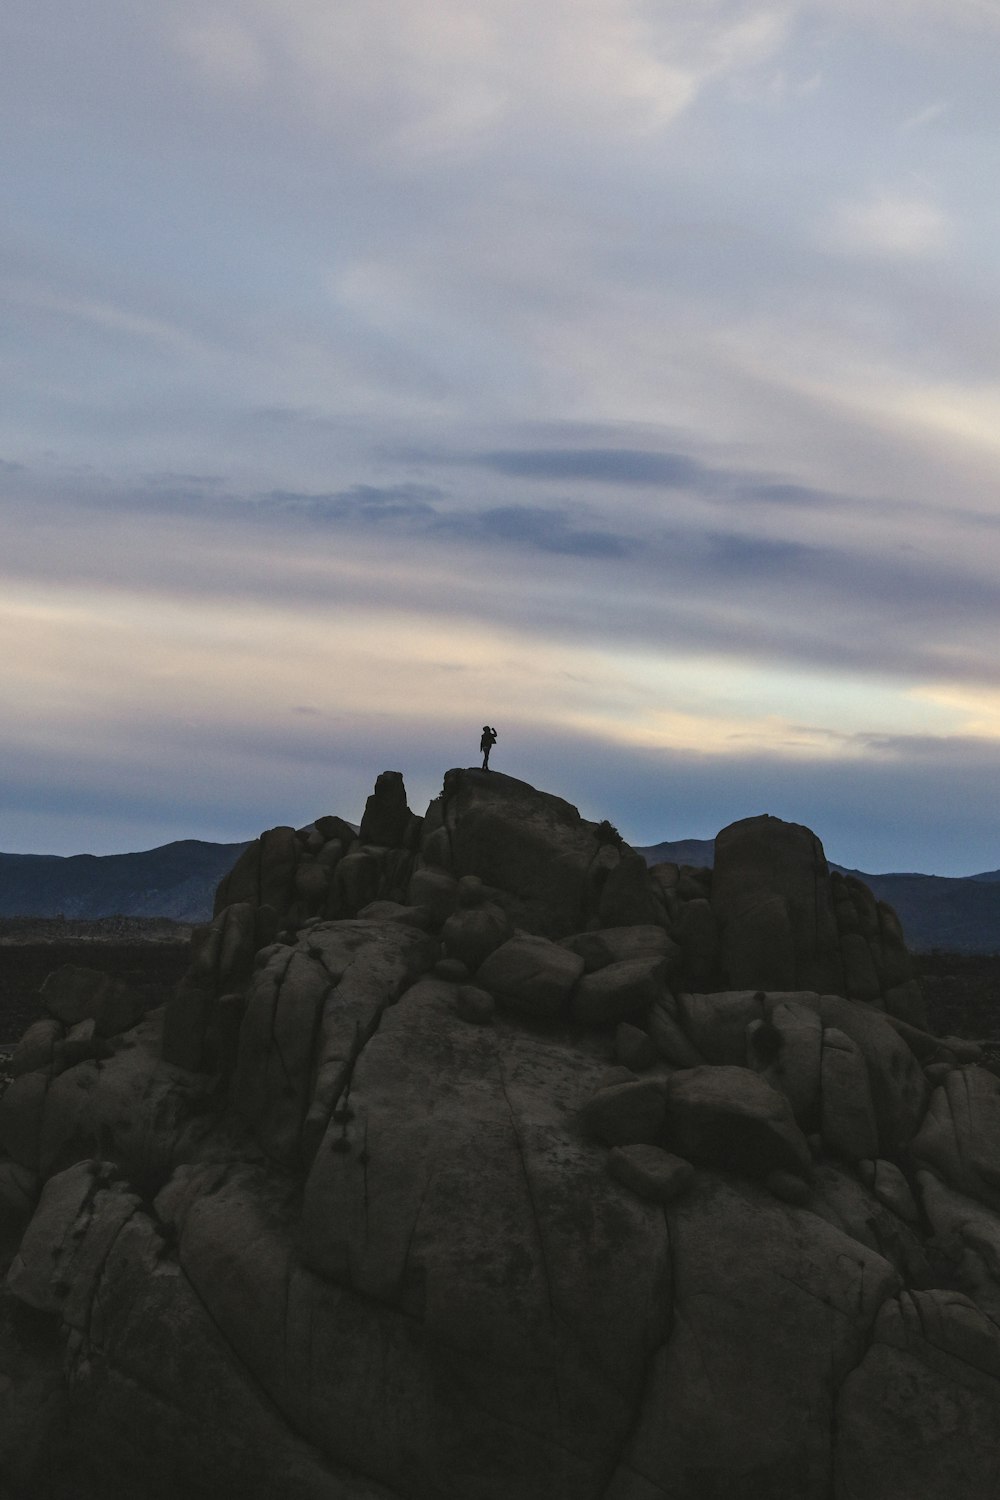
[(620, 374)]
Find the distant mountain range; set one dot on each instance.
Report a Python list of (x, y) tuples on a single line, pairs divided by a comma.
[(955, 915), (177, 881)]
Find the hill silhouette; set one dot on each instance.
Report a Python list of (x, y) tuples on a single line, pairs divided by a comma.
[(177, 880)]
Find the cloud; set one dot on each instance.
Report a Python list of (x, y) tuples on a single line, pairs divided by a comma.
[(804, 585), (603, 465), (889, 225), (395, 359), (648, 468), (546, 529), (918, 23), (361, 505), (926, 116), (444, 78)]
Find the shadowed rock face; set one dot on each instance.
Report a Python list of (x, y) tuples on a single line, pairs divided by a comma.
[(441, 1177), (772, 899)]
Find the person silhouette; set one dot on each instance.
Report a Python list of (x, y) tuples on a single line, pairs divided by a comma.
[(486, 743)]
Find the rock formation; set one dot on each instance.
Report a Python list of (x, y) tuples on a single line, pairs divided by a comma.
[(471, 1159)]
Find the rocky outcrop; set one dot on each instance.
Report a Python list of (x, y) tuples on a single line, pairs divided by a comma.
[(440, 1176)]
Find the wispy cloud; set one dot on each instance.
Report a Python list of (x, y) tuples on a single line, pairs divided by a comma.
[(893, 225), (628, 366), (924, 117)]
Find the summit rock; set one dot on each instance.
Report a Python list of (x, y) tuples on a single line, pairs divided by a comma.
[(473, 1159)]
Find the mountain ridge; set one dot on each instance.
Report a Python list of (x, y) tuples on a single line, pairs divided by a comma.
[(175, 880), (178, 881)]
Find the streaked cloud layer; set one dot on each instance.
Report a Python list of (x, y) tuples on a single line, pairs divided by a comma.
[(624, 375)]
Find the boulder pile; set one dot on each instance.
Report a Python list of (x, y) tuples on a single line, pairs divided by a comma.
[(473, 1159)]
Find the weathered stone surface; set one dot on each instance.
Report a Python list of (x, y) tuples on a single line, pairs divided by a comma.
[(739, 1400), (619, 991), (397, 911), (611, 945), (72, 994), (758, 942), (452, 969), (839, 1197), (717, 1024), (521, 1281), (892, 1189), (962, 1223), (139, 1111), (848, 1122), (34, 1051), (21, 1108), (634, 1047), (309, 1011), (474, 1005), (534, 848), (373, 1250), (960, 1135), (312, 883), (651, 1172), (860, 975), (669, 1037), (628, 895), (472, 933), (434, 889), (222, 960), (627, 1114), (697, 933), (387, 819), (167, 1406), (79, 1216), (771, 896), (80, 1042), (730, 1117), (18, 1195), (795, 1068), (332, 828), (356, 881), (279, 854), (788, 1186), (531, 975), (919, 1418), (898, 1087), (907, 1002)]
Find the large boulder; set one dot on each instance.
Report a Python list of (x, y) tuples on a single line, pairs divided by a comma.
[(740, 1398), (612, 945), (309, 1011), (731, 1118), (541, 857), (619, 991), (360, 1217), (771, 897), (849, 1126), (531, 975), (74, 993), (960, 1134), (387, 819), (941, 1440)]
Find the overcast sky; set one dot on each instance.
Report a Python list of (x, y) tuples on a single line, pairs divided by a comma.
[(621, 374)]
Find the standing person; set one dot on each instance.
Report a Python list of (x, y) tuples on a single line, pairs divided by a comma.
[(489, 739)]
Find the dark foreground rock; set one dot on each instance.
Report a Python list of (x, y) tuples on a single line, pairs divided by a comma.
[(469, 1159)]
